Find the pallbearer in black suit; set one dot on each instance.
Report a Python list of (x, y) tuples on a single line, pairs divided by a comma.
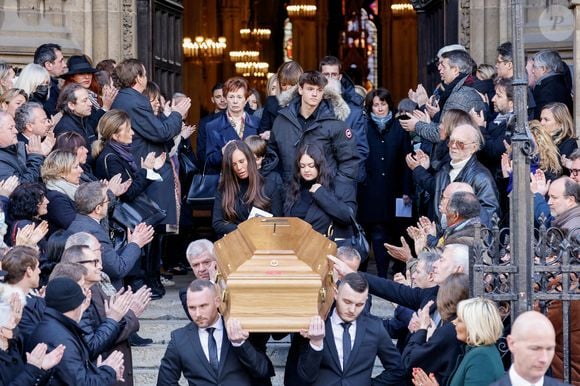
[(342, 351), (209, 351)]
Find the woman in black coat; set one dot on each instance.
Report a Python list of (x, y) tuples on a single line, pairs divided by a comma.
[(113, 154), (311, 195), (240, 189), (61, 173), (13, 370), (556, 119), (387, 178)]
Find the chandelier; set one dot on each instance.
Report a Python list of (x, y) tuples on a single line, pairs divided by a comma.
[(252, 69), (301, 10), (204, 49), (255, 33), (244, 56)]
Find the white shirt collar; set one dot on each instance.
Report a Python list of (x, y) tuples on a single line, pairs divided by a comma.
[(336, 320), (517, 380)]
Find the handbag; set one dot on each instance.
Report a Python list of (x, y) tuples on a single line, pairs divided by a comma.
[(203, 188), (358, 240), (141, 209)]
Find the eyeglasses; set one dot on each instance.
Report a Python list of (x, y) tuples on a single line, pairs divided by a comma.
[(458, 144), (501, 61), (574, 172), (94, 261)]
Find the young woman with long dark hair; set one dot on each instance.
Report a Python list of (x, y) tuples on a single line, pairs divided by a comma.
[(240, 189)]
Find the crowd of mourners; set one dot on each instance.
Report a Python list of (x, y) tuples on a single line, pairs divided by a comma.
[(80, 142)]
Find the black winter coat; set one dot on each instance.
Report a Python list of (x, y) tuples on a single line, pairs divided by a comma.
[(61, 211), (223, 226), (115, 165), (473, 173), (551, 89), (152, 135), (332, 135), (15, 372), (14, 161), (327, 209), (387, 174), (76, 367)]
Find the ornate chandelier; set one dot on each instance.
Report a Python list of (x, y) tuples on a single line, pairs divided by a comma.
[(204, 49)]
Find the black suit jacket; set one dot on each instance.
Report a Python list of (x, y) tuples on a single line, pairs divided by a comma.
[(185, 355), (371, 340), (548, 381)]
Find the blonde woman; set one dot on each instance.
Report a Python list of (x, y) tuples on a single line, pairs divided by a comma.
[(555, 118), (546, 151), (7, 75), (479, 326), (35, 81), (12, 99), (61, 173)]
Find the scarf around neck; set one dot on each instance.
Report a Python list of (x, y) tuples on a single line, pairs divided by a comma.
[(63, 186), (381, 122), (123, 150)]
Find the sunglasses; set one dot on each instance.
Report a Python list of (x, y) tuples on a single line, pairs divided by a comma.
[(458, 144)]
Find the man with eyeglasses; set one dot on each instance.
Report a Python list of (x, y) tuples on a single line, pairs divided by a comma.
[(31, 119), (464, 143), (18, 159), (92, 206)]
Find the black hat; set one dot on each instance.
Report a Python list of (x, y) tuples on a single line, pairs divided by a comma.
[(63, 294), (78, 64)]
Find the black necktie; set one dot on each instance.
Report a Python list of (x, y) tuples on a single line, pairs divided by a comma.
[(345, 344), (212, 348)]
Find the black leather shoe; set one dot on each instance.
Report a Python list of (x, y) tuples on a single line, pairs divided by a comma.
[(136, 341)]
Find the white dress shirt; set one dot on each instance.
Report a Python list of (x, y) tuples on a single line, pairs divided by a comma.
[(516, 380), (218, 335), (338, 330)]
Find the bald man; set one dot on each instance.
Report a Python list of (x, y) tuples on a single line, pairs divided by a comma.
[(532, 343), (464, 142)]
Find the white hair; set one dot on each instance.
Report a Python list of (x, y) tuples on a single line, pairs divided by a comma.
[(198, 247), (460, 255), (30, 77)]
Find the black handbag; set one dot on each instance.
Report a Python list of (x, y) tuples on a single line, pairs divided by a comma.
[(358, 240), (141, 209), (203, 188)]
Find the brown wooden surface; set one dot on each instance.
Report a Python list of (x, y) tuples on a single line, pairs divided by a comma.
[(274, 274)]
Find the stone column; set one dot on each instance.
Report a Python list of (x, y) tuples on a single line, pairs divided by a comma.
[(483, 25)]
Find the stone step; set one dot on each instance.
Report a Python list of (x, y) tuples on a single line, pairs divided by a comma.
[(160, 331)]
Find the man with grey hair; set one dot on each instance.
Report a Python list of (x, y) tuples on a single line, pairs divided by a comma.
[(18, 159), (454, 68), (92, 205), (31, 119), (201, 257), (551, 86)]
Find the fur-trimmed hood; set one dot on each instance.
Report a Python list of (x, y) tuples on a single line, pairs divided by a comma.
[(338, 104)]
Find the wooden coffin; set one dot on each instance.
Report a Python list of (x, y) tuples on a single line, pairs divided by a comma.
[(274, 274)]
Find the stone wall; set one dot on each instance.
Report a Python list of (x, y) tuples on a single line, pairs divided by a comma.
[(99, 28)]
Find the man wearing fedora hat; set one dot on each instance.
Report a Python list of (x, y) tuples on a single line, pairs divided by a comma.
[(65, 303)]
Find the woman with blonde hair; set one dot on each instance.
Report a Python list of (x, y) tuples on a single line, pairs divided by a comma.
[(555, 118), (113, 155), (7, 75), (546, 152), (479, 326), (12, 99), (35, 81), (61, 173)]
